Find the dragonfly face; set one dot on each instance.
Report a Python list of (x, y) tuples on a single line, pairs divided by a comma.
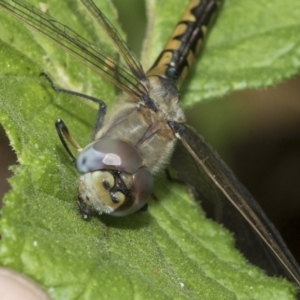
[(138, 138), (122, 188)]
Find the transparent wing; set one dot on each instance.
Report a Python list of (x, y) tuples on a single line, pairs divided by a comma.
[(214, 184), (130, 59), (84, 51)]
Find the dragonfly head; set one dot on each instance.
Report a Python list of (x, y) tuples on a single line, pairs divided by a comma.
[(114, 181)]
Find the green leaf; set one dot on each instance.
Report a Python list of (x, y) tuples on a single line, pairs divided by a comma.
[(170, 252)]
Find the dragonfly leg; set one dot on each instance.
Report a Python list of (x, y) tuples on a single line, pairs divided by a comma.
[(100, 117), (102, 106), (64, 134)]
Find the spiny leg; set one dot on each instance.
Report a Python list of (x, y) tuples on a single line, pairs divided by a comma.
[(102, 106), (64, 134)]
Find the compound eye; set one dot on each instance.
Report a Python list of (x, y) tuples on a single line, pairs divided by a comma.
[(142, 186), (110, 155), (140, 191)]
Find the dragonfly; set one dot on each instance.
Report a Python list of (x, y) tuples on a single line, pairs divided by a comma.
[(147, 130)]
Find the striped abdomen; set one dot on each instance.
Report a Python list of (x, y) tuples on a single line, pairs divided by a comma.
[(185, 41)]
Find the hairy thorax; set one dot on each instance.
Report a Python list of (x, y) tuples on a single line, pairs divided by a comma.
[(148, 130)]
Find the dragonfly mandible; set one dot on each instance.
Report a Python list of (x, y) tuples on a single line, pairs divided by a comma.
[(147, 129)]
